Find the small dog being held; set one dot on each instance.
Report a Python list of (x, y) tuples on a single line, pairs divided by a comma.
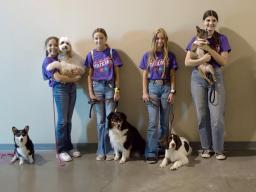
[(206, 70), (24, 148), (124, 137), (176, 150), (69, 64)]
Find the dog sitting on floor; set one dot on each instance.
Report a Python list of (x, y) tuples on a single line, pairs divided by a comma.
[(24, 147), (205, 70), (176, 150), (69, 64), (124, 137)]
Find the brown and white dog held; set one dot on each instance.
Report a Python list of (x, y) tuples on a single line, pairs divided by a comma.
[(177, 150)]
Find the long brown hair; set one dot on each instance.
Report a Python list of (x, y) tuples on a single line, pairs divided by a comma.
[(152, 52), (216, 36)]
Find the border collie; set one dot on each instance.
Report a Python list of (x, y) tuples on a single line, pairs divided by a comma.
[(176, 150), (124, 137), (24, 148)]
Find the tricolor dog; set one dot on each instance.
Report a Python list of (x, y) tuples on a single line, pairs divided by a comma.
[(24, 148), (124, 137), (176, 151)]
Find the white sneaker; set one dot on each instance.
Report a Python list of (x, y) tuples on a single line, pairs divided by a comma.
[(74, 153), (220, 156), (100, 157), (65, 157), (206, 153)]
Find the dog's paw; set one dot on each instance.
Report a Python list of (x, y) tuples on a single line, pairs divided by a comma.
[(173, 168), (21, 162), (162, 165), (116, 157), (122, 161)]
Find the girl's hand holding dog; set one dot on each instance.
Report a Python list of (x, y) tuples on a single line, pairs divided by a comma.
[(206, 58)]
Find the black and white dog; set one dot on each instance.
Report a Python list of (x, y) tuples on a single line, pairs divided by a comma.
[(24, 148), (176, 151), (124, 137)]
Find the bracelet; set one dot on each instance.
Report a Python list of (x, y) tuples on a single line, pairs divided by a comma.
[(173, 91), (117, 90)]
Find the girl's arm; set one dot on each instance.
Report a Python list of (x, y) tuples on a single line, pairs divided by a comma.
[(221, 58), (145, 95), (173, 83), (195, 62), (90, 89), (117, 84), (65, 79)]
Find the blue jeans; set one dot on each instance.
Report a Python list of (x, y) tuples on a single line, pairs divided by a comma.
[(65, 98), (158, 106), (103, 90), (210, 116)]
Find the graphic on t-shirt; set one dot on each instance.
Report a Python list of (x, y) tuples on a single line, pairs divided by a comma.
[(157, 66), (103, 65)]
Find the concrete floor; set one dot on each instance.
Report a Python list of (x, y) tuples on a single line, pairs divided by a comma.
[(237, 173)]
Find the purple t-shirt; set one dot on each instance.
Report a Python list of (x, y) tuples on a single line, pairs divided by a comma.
[(156, 67), (103, 63), (224, 47), (48, 75)]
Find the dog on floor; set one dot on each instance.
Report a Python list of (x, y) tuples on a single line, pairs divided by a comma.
[(176, 151), (124, 137), (24, 147), (205, 70), (69, 64)]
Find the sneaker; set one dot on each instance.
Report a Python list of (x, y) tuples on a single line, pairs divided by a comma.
[(206, 153), (74, 153), (220, 156), (151, 160), (100, 157), (161, 153), (64, 157), (110, 157)]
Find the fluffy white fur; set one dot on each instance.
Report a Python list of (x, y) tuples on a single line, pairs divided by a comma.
[(176, 153), (69, 63), (117, 139)]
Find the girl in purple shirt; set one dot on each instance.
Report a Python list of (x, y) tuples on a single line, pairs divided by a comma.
[(210, 114), (103, 84), (159, 75), (64, 93)]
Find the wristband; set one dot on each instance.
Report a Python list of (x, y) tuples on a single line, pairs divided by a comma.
[(117, 90), (173, 91)]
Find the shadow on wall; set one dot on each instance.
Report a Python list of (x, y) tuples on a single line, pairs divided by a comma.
[(88, 129), (184, 116), (240, 76), (131, 93)]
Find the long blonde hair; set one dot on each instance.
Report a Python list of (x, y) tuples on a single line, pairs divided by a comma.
[(152, 51)]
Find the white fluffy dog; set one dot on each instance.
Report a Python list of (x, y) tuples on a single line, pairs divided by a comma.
[(69, 64)]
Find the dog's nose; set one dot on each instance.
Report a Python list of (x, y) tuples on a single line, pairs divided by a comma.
[(21, 140)]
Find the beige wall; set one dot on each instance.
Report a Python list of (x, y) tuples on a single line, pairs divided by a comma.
[(26, 99)]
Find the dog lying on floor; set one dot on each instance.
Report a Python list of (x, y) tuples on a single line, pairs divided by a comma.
[(205, 70), (68, 63), (124, 137), (24, 147), (176, 150)]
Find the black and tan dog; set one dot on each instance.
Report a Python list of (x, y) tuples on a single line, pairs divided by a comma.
[(124, 137), (24, 148)]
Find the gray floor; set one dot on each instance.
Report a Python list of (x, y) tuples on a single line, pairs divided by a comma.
[(237, 173)]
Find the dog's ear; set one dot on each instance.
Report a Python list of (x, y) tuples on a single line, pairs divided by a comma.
[(110, 115), (123, 116), (177, 141), (14, 129), (26, 128), (197, 29)]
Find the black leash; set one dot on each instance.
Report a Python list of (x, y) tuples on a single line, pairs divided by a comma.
[(92, 102), (212, 95)]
